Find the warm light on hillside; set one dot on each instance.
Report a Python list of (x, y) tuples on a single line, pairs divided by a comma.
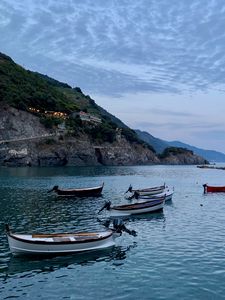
[(56, 114)]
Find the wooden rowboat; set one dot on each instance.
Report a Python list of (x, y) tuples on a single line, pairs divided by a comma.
[(63, 243), (140, 207), (213, 189), (168, 194), (81, 192), (20, 244), (147, 191)]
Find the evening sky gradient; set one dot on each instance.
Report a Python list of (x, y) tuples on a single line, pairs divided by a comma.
[(158, 65)]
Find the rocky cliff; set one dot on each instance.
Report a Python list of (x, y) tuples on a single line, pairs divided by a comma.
[(183, 159), (25, 141), (44, 122)]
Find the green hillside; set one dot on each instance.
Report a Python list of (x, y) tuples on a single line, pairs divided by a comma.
[(26, 90)]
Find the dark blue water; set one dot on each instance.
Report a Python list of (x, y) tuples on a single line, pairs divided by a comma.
[(177, 254)]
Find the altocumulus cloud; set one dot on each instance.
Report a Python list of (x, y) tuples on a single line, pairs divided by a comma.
[(115, 47)]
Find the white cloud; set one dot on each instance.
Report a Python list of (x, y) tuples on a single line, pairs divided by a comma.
[(115, 48)]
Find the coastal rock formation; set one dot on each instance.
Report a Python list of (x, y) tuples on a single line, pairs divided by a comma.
[(44, 122), (56, 151), (24, 141), (17, 124), (183, 159)]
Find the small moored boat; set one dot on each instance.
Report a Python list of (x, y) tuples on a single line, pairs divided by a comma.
[(63, 243), (139, 207), (213, 189), (168, 194), (147, 191), (81, 192)]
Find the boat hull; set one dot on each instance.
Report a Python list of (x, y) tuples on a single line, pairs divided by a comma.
[(168, 196), (137, 208), (24, 245), (88, 192), (213, 189), (153, 192), (147, 191)]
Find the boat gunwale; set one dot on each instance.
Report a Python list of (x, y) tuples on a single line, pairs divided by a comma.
[(97, 188), (13, 236), (130, 207), (156, 188), (213, 188), (216, 186), (155, 197)]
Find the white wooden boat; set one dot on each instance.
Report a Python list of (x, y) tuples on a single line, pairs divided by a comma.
[(168, 194), (148, 191), (59, 243), (63, 243), (140, 207)]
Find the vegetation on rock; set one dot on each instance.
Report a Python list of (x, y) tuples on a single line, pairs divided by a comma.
[(37, 93), (174, 151), (55, 103)]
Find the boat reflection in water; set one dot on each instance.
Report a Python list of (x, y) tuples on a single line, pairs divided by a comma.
[(156, 217), (28, 267)]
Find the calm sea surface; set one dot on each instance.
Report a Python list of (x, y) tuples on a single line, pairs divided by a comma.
[(177, 254)]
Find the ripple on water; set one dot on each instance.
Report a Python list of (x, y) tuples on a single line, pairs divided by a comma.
[(177, 254)]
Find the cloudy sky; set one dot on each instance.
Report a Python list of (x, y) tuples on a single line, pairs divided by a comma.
[(158, 65)]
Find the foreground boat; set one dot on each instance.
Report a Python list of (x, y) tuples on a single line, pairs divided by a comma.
[(63, 243), (147, 191), (81, 192), (140, 207), (213, 189)]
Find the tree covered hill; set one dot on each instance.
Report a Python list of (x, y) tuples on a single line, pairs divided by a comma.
[(24, 89), (53, 103)]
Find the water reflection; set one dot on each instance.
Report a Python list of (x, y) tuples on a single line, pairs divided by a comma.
[(67, 171), (156, 217), (28, 267)]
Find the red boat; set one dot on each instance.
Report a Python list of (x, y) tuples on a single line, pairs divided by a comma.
[(213, 189)]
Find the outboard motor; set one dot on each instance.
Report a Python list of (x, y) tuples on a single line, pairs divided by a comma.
[(134, 196), (130, 189), (205, 189), (55, 188), (107, 206), (7, 229), (119, 227)]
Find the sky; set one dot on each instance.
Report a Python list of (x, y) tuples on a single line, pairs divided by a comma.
[(158, 65)]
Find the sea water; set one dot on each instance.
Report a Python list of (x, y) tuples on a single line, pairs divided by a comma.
[(177, 254)]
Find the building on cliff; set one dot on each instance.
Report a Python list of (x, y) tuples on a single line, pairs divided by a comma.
[(85, 117)]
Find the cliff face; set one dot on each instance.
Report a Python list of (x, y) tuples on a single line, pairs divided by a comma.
[(183, 159), (17, 124), (25, 141), (71, 152)]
